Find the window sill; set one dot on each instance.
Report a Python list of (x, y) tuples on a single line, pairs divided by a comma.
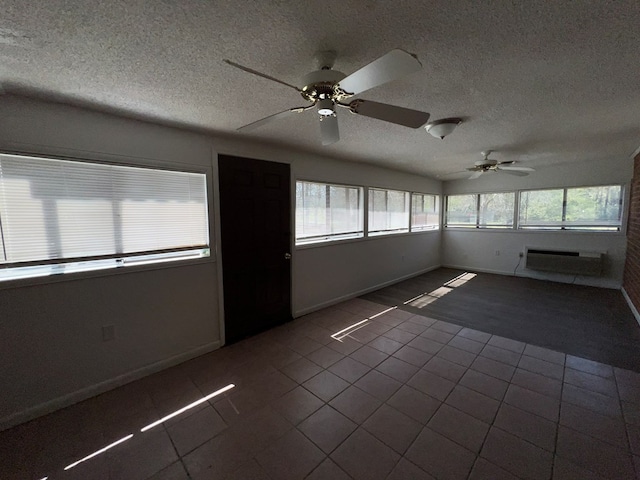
[(330, 243)]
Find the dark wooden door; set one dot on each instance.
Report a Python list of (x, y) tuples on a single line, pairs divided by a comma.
[(255, 211)]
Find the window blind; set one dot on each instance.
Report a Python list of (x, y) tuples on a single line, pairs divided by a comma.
[(59, 210)]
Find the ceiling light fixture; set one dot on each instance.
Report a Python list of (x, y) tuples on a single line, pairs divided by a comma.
[(442, 128)]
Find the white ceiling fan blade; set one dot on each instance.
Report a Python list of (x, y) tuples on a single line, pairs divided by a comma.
[(390, 113), (476, 175), (260, 74), (329, 130), (516, 169), (271, 118), (514, 172), (395, 64)]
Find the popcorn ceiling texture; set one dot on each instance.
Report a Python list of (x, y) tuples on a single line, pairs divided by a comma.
[(539, 82)]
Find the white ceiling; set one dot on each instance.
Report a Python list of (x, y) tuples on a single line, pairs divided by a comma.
[(541, 82)]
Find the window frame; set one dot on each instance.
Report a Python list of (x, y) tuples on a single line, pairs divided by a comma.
[(477, 225), (562, 227), (73, 268), (330, 238), (427, 227), (395, 231)]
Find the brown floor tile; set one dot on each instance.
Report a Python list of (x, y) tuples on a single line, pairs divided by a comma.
[(591, 400), (545, 354), (325, 357), (328, 470), (364, 457), (413, 356), (446, 327), (466, 344), (538, 383), (301, 370), (196, 429), (393, 428), (527, 426), (406, 470), (431, 384), (507, 344), (445, 368), (412, 327), (415, 404), (325, 385), (473, 403), (426, 345), (608, 429), (493, 368), (440, 457), (460, 427), (535, 365), (349, 369), (297, 405), (485, 470), (476, 335), (327, 428), (369, 356), (631, 412), (589, 366), (378, 385), (385, 345), (291, 457), (174, 471), (397, 369), (437, 336), (594, 455), (456, 355), (566, 470), (517, 456), (355, 404), (399, 335), (501, 355), (533, 402), (485, 384)]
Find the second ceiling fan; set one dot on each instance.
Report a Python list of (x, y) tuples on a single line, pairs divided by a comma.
[(490, 165), (326, 89)]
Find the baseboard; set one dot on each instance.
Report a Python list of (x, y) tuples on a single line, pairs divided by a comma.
[(343, 298), (633, 308), (93, 390), (520, 273)]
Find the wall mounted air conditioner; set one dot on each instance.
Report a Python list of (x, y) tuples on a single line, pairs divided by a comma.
[(564, 261)]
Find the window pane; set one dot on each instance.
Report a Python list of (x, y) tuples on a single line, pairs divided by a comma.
[(64, 212), (496, 209), (327, 212), (541, 208), (594, 208), (388, 211), (424, 212), (462, 210)]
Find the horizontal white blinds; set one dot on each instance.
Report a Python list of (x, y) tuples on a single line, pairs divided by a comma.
[(58, 209)]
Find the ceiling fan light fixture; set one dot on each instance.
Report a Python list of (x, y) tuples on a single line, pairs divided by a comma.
[(443, 127), (326, 108)]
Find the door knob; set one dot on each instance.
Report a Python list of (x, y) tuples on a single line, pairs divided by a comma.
[(287, 256)]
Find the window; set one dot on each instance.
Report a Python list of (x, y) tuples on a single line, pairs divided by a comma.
[(327, 212), (484, 210), (424, 212), (496, 210), (61, 216), (582, 208), (388, 211)]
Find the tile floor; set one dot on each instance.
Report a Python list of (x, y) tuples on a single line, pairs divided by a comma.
[(398, 396)]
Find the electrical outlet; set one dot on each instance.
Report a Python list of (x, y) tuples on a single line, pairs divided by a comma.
[(497, 253), (108, 333)]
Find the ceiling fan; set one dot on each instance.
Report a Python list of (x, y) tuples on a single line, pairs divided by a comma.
[(325, 89), (490, 165)]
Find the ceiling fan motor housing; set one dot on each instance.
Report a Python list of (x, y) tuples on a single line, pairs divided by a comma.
[(320, 85)]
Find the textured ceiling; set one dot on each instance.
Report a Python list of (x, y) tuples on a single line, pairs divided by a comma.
[(540, 82)]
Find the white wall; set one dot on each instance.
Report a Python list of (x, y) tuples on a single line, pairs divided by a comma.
[(51, 329), (327, 273), (476, 249)]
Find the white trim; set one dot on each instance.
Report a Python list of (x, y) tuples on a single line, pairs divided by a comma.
[(636, 152), (633, 308), (348, 296), (93, 390)]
